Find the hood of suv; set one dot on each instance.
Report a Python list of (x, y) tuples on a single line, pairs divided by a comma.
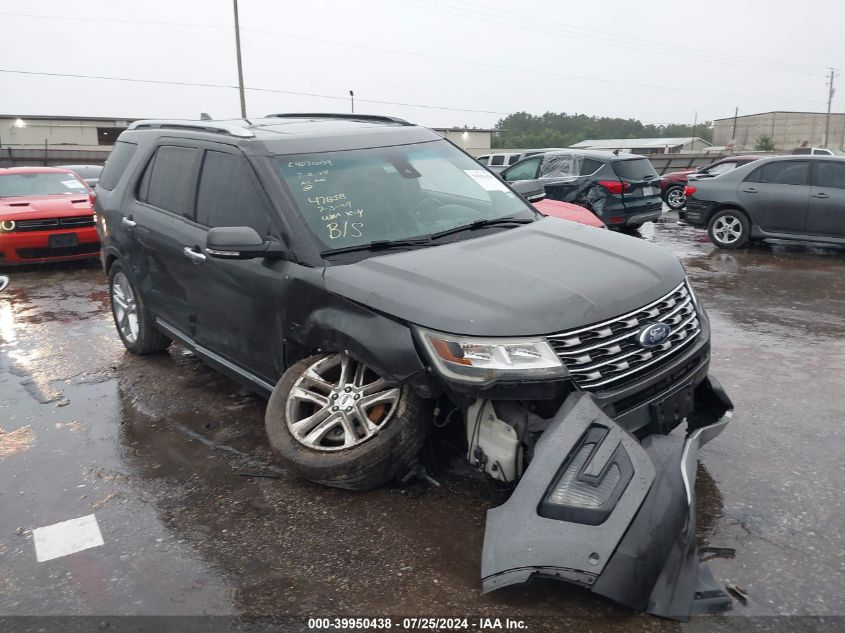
[(540, 278)]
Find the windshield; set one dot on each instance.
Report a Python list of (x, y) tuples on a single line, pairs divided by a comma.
[(357, 197), (40, 184)]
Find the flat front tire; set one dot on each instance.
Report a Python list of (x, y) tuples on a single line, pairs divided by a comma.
[(729, 229), (334, 421)]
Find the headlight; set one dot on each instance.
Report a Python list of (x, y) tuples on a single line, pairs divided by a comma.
[(7, 225), (485, 361)]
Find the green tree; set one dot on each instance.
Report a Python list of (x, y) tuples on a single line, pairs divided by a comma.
[(523, 130), (764, 143)]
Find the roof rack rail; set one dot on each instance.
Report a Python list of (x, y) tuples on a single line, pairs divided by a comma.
[(338, 115), (205, 126)]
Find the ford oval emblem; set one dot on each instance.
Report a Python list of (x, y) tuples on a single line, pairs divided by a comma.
[(653, 334)]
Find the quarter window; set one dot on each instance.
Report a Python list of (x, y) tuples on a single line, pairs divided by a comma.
[(830, 175), (168, 182), (785, 172), (590, 166), (227, 196)]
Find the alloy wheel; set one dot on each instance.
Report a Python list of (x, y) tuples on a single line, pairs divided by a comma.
[(727, 229), (676, 198), (338, 403), (125, 308)]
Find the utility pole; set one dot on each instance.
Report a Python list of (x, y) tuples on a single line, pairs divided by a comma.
[(694, 124), (240, 66), (352, 97), (830, 92), (733, 134)]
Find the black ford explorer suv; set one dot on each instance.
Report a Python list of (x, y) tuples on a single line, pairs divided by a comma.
[(371, 279)]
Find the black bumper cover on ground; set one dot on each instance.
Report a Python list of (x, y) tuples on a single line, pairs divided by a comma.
[(643, 555)]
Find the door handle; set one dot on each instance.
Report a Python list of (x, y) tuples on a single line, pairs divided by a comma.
[(749, 190), (820, 195), (197, 258), (129, 222)]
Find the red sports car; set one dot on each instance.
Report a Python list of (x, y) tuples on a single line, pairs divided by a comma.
[(568, 211), (45, 215)]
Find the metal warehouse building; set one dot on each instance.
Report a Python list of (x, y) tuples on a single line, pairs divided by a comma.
[(645, 145), (788, 130), (56, 140)]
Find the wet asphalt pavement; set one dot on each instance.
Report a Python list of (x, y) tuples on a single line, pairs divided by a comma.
[(165, 453)]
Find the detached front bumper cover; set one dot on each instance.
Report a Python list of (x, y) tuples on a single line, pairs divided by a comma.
[(604, 511)]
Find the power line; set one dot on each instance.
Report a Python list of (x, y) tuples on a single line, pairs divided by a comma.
[(474, 63), (612, 41), (256, 89), (614, 37)]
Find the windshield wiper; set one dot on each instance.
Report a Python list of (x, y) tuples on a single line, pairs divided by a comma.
[(378, 245), (482, 224)]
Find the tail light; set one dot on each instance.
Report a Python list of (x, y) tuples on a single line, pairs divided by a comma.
[(615, 186), (688, 191)]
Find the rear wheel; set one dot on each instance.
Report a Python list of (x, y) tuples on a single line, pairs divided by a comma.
[(729, 229), (133, 322), (334, 421), (675, 198)]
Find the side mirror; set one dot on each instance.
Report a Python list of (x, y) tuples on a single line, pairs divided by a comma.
[(240, 242), (531, 190)]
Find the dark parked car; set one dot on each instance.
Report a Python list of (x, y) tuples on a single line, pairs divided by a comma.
[(89, 173), (672, 184), (373, 280), (621, 190), (786, 197)]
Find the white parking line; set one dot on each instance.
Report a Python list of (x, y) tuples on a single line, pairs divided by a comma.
[(67, 537)]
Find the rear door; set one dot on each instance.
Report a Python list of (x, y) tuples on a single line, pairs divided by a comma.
[(561, 175), (236, 305), (826, 213), (777, 194), (161, 212)]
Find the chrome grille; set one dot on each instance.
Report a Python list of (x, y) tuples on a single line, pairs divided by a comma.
[(607, 354), (74, 222)]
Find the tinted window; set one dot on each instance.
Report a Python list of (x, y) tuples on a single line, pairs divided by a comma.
[(524, 171), (802, 150), (169, 181), (483, 159), (830, 174), (634, 169), (498, 159), (590, 166), (513, 159), (784, 172), (116, 164), (227, 195)]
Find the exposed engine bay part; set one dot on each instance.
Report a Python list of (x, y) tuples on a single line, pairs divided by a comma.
[(598, 508), (493, 445)]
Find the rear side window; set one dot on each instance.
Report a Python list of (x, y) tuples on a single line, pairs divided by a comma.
[(116, 164), (168, 182), (830, 175), (590, 166), (227, 196), (721, 168), (513, 159), (524, 171), (802, 151), (634, 169), (498, 159), (786, 172)]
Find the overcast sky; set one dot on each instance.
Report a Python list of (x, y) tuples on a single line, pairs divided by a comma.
[(652, 60)]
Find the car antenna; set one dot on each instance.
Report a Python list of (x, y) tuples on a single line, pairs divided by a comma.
[(205, 116)]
